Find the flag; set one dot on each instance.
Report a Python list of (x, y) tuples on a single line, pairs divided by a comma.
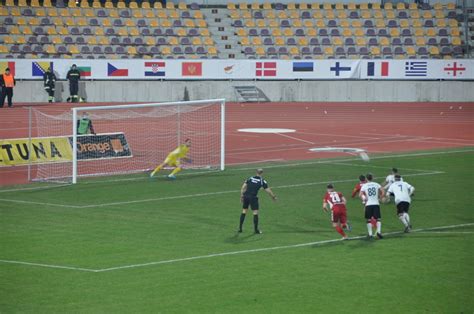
[(382, 71), (10, 65), (416, 68), (39, 68), (154, 69), (453, 69), (191, 69), (303, 66), (337, 68), (229, 69), (113, 71), (266, 69), (85, 70)]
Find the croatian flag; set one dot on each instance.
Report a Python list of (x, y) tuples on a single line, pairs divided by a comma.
[(377, 68), (154, 69)]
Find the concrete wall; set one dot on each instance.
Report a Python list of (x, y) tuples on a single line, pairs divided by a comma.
[(299, 91)]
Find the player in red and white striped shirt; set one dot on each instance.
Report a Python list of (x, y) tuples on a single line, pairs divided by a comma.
[(337, 203)]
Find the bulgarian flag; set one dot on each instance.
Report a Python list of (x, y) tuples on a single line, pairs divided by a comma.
[(85, 70)]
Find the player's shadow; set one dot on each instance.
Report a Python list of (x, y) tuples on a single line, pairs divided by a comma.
[(239, 238)]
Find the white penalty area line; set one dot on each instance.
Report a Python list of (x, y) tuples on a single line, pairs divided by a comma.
[(192, 258), (167, 198)]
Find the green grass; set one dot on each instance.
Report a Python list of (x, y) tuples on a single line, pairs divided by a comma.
[(418, 272)]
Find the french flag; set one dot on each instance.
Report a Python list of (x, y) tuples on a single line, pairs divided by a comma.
[(377, 68), (154, 69)]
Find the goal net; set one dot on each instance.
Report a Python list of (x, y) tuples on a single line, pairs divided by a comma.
[(126, 139)]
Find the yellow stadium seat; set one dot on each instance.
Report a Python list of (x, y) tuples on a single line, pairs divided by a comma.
[(241, 32), (420, 41), (320, 24), (146, 5), (400, 6), (388, 6), (150, 41), (366, 14), (419, 32), (81, 22), (3, 49), (360, 41), (212, 51), (96, 4), (427, 14), (21, 21), (56, 40), (204, 32), (106, 23), (447, 57), (99, 31), (9, 3), (182, 6), (131, 50), (287, 32), (198, 15), (104, 40), (346, 32), (329, 51), (276, 32), (4, 11), (52, 12), (173, 14), (341, 14), (244, 41), (208, 41), (380, 23), (249, 23), (327, 6), (137, 14), (376, 6), (456, 41), (231, 6), (91, 40), (27, 30), (234, 15), (71, 4), (329, 14), (157, 5), (243, 6), (161, 14), (431, 32), (201, 24), (76, 12), (291, 6), (267, 6), (15, 30), (73, 49), (339, 6), (165, 50), (64, 12), (384, 41), (8, 40), (129, 23), (438, 6), (308, 23), (88, 13), (255, 6), (50, 49), (20, 40), (311, 32), (455, 31), (394, 32), (390, 14), (294, 51), (404, 23), (294, 15), (173, 41), (261, 23), (375, 51), (273, 23), (169, 5), (84, 4), (356, 24), (337, 41), (434, 51), (35, 4), (413, 6), (318, 15), (260, 51), (344, 23), (282, 15), (451, 6), (154, 23), (33, 21), (69, 21), (133, 31), (256, 41), (439, 14), (279, 41), (149, 14), (196, 41), (415, 14), (378, 14), (181, 32), (364, 6), (108, 4), (453, 23), (302, 41), (304, 6)]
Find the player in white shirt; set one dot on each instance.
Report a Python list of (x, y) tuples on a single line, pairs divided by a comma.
[(402, 191), (371, 193), (391, 178)]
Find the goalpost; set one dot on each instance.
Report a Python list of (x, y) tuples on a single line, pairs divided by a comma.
[(130, 138)]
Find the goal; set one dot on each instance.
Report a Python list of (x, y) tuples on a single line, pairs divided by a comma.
[(128, 139)]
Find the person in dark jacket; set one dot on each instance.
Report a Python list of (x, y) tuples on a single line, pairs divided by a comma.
[(73, 76), (49, 79), (7, 82)]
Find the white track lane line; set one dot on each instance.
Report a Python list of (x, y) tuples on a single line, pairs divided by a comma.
[(192, 258)]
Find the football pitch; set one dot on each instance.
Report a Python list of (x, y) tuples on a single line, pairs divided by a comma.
[(133, 244)]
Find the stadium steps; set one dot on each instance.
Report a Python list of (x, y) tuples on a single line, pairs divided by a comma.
[(220, 26), (250, 94)]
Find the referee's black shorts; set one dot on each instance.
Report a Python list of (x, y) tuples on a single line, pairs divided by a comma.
[(372, 211), (403, 207), (250, 200)]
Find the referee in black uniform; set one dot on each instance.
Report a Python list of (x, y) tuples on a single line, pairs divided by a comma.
[(248, 196)]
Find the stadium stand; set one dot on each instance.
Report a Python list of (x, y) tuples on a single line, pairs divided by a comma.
[(94, 29)]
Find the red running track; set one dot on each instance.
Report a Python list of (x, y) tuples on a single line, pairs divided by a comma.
[(375, 127)]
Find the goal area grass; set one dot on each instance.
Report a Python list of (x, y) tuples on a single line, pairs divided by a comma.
[(130, 244)]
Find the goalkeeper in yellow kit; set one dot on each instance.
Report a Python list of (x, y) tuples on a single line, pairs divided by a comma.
[(174, 159)]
